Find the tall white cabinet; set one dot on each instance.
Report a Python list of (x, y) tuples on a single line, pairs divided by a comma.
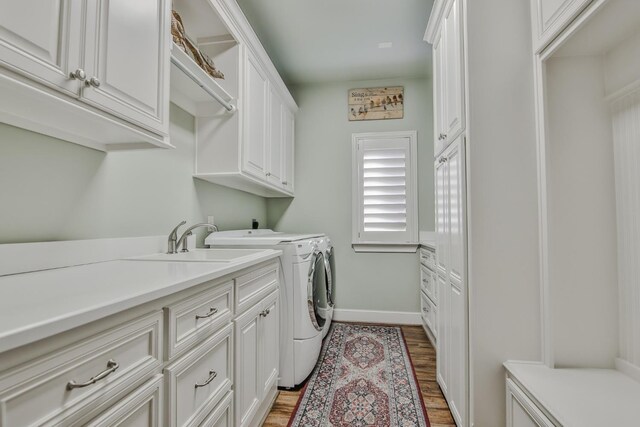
[(445, 32)]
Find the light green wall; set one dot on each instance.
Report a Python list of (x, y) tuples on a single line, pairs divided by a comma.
[(380, 281), (55, 190)]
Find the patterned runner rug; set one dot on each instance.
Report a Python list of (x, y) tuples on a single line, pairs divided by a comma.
[(364, 378)]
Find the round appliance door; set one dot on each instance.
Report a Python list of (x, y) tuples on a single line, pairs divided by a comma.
[(330, 268), (317, 291)]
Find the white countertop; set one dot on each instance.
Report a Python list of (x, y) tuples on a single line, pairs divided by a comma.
[(41, 304), (428, 238), (581, 397)]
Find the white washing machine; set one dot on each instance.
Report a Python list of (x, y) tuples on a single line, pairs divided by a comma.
[(305, 310)]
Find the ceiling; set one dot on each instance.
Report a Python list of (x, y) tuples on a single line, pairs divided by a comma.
[(312, 41)]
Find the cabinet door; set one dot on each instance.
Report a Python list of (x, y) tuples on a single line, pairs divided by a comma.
[(453, 119), (438, 94), (288, 131), (127, 64), (276, 141), (255, 118), (41, 40), (270, 343), (550, 17), (455, 213), (442, 213), (248, 389), (442, 356), (521, 411), (457, 354)]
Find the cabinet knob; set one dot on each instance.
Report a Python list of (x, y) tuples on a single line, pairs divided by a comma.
[(268, 174), (284, 182), (78, 74), (94, 82)]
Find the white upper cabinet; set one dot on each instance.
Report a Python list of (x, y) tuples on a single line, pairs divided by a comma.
[(288, 136), (448, 76), (46, 48), (551, 16), (276, 139), (453, 87), (127, 60), (94, 73), (438, 94), (251, 147), (255, 118)]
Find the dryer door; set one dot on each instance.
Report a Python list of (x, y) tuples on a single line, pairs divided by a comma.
[(317, 291), (330, 271)]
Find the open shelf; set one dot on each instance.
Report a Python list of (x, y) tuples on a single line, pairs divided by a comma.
[(191, 86)]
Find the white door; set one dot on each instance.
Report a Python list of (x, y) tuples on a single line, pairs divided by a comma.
[(270, 343), (439, 78), (248, 390), (288, 135), (443, 355), (455, 212), (41, 39), (126, 60), (255, 118), (276, 141), (453, 88), (457, 353)]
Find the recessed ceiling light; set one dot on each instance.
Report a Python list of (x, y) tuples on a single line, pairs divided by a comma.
[(385, 45)]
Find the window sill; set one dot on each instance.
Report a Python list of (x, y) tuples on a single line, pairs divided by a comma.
[(385, 247)]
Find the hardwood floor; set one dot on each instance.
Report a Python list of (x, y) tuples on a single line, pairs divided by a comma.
[(423, 356)]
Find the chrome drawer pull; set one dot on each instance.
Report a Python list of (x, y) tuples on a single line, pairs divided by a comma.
[(211, 312), (112, 365), (212, 376)]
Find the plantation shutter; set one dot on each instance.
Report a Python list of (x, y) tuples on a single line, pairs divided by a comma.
[(385, 186)]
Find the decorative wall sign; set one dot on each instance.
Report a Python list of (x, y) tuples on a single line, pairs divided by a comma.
[(376, 103)]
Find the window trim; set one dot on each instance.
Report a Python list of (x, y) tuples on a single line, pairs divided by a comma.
[(360, 245)]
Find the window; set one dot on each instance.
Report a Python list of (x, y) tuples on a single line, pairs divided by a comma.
[(384, 195)]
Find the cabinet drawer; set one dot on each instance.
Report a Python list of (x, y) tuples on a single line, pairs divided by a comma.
[(222, 415), (56, 386), (428, 283), (197, 381), (193, 319), (429, 315), (143, 407), (428, 258), (253, 286)]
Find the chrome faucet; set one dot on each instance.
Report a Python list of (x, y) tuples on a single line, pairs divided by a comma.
[(173, 239), (188, 232)]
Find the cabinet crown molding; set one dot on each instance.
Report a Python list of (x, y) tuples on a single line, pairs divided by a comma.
[(434, 20)]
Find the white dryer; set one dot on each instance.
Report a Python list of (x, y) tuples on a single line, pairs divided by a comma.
[(304, 296)]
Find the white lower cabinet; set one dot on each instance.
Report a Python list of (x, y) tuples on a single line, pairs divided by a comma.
[(429, 292), (198, 380), (521, 411), (142, 408), (188, 359), (58, 388), (257, 359)]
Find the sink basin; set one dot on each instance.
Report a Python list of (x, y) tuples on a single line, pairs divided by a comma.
[(202, 255)]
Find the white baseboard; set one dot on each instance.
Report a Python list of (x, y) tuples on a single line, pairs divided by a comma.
[(373, 316)]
